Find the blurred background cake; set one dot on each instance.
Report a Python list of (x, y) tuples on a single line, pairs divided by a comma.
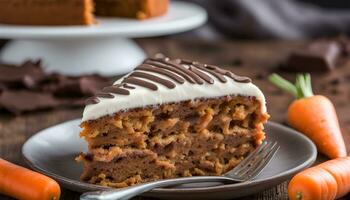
[(47, 12), (76, 12)]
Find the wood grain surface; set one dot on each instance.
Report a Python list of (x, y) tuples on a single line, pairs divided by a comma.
[(253, 59)]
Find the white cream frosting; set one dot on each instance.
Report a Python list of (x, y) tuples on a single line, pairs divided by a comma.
[(140, 96)]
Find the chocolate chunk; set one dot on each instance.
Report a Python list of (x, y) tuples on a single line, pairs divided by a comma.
[(21, 101), (27, 74), (28, 88), (318, 56)]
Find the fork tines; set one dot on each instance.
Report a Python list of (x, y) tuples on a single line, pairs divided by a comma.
[(255, 162)]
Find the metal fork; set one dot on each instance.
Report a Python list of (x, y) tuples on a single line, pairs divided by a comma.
[(246, 170)]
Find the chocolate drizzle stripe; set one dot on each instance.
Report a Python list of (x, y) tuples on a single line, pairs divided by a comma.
[(115, 89), (150, 68), (105, 95), (159, 64), (204, 76), (212, 72), (141, 83), (177, 70), (240, 79), (91, 100), (128, 86), (194, 76), (153, 78)]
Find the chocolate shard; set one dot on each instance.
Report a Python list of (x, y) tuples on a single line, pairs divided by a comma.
[(28, 74), (27, 87), (21, 101), (316, 57), (69, 86)]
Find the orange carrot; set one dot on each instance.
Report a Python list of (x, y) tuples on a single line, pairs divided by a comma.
[(313, 115), (327, 181), (24, 184)]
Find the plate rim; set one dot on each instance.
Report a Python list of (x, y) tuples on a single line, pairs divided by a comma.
[(86, 186)]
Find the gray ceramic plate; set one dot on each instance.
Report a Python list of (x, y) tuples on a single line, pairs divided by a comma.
[(52, 152)]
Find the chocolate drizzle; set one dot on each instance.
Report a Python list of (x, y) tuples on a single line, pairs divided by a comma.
[(212, 72), (105, 95), (205, 77), (240, 79), (128, 86), (177, 71), (91, 100), (116, 89), (150, 68), (141, 83), (157, 63), (194, 76), (153, 78)]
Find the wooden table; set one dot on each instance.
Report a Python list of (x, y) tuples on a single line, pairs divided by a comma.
[(254, 59)]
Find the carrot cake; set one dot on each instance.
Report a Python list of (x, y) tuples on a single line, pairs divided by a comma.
[(76, 12), (170, 118), (46, 12)]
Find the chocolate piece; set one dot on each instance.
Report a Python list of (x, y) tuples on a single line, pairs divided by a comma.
[(318, 56), (21, 101), (27, 88), (27, 74)]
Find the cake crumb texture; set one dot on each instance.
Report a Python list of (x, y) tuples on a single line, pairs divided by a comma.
[(206, 136)]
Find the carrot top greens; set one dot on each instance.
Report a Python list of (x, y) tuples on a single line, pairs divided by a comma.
[(300, 89)]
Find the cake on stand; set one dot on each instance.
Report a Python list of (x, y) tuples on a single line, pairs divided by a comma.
[(104, 48)]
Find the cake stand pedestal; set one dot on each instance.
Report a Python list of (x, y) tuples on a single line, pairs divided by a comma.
[(104, 56), (104, 48)]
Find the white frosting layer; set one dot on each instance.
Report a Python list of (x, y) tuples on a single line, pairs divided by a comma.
[(141, 96)]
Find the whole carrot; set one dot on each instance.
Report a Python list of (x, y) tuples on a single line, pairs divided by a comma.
[(313, 115), (327, 181), (24, 184)]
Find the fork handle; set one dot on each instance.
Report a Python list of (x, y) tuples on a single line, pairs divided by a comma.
[(129, 192)]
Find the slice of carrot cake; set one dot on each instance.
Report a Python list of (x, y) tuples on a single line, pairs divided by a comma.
[(170, 118)]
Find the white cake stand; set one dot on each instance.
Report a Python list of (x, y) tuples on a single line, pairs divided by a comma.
[(103, 48)]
